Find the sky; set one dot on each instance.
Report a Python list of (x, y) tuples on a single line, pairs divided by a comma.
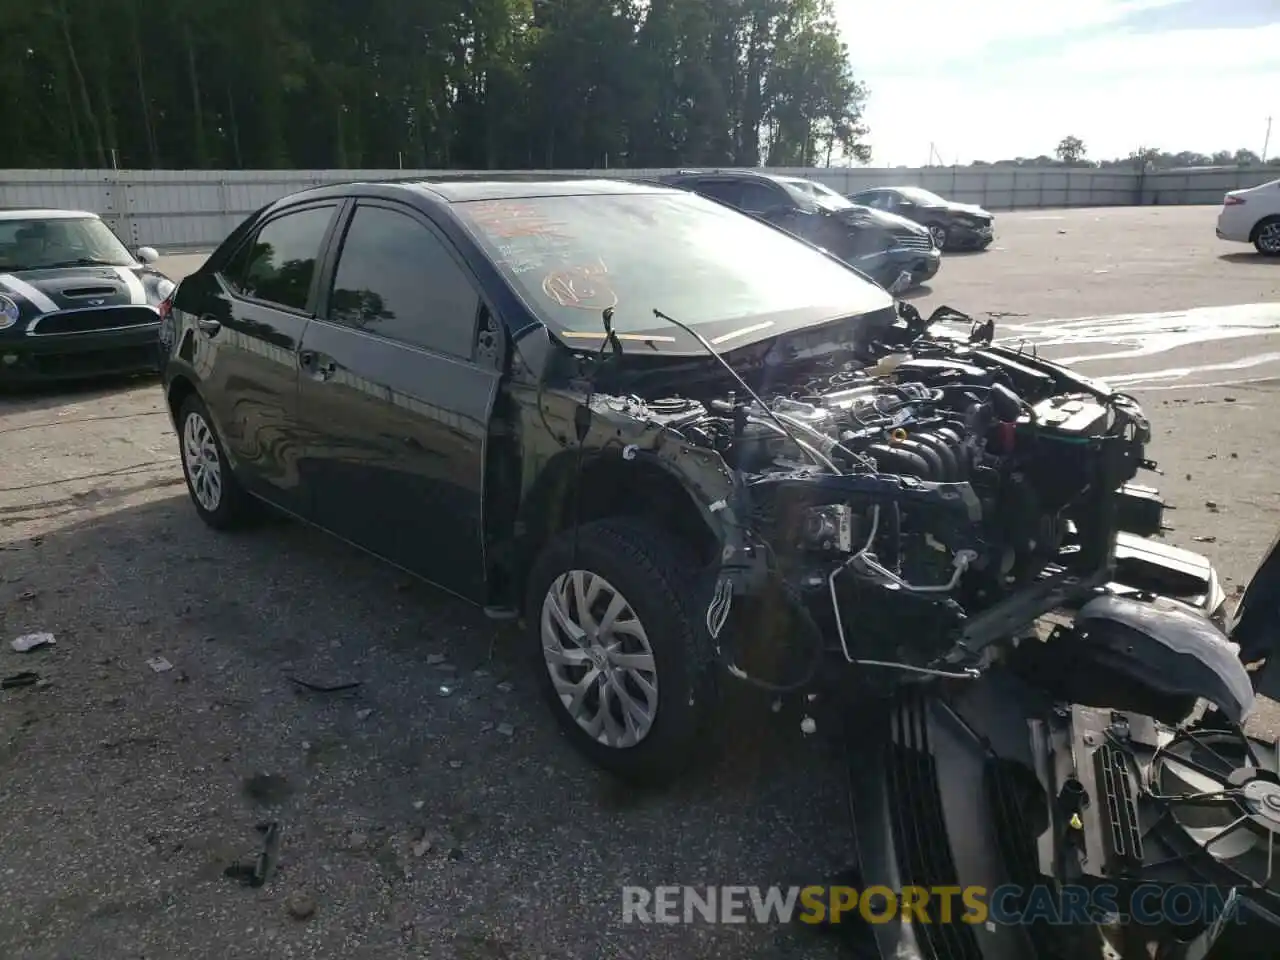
[(997, 79)]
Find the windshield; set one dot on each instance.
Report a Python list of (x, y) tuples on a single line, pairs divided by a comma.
[(819, 193), (699, 261), (34, 244), (921, 195)]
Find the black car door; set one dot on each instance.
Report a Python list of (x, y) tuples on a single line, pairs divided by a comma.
[(396, 400), (253, 315)]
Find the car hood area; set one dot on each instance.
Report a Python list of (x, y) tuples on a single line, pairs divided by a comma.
[(39, 292)]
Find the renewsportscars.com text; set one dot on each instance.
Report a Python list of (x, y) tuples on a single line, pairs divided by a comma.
[(1148, 904)]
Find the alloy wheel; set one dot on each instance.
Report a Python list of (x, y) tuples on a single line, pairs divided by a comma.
[(939, 235), (599, 658), (204, 468), (1269, 238)]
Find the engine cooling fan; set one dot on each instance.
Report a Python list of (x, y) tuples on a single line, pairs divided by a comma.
[(1221, 791)]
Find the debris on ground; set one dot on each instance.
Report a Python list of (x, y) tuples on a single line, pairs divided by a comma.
[(1211, 506), (159, 664), (267, 789), (324, 687), (1205, 539), (435, 658), (299, 905), (30, 641), (445, 691), (506, 729), (258, 873), (25, 679), (364, 714), (27, 595), (421, 848), (505, 687)]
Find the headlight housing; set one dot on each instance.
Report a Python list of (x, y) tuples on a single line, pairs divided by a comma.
[(9, 312)]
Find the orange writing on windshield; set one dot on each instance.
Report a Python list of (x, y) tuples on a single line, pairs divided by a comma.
[(584, 286)]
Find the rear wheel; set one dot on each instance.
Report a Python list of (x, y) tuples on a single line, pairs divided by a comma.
[(1266, 237), (217, 496), (620, 649)]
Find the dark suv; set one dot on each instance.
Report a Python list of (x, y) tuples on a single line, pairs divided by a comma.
[(895, 252)]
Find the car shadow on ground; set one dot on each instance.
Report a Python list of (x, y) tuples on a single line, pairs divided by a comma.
[(433, 794), (31, 398), (1252, 258), (915, 293)]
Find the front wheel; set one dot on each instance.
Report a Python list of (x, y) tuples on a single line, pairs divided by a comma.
[(1266, 237), (939, 235), (620, 648)]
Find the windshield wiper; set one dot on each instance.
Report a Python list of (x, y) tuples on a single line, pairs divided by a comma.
[(79, 262)]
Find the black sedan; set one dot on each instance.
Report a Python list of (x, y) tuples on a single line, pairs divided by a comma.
[(74, 301), (954, 226), (893, 251)]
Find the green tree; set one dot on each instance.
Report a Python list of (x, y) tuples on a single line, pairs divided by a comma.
[(1070, 150)]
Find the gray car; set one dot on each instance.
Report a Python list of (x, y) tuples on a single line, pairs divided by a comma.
[(893, 251)]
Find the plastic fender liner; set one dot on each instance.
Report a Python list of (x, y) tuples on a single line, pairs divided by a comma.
[(1165, 647)]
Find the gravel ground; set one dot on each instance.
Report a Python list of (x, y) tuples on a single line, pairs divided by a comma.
[(432, 810)]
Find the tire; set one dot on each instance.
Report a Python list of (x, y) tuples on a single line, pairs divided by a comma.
[(1266, 237), (939, 234), (653, 577), (218, 498)]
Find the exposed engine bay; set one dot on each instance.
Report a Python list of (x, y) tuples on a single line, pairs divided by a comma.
[(937, 491)]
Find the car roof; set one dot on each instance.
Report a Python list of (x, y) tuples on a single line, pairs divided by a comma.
[(43, 213), (460, 188), (716, 172)]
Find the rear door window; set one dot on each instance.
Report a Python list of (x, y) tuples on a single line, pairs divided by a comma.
[(726, 191), (279, 263), (396, 278), (759, 197)]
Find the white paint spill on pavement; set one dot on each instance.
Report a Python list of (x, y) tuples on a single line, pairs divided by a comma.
[(1134, 336)]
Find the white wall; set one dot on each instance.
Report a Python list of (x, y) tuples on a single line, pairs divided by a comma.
[(192, 209)]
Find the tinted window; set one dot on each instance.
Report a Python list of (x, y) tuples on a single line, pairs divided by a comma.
[(279, 263), (723, 190), (570, 257), (758, 197), (395, 278)]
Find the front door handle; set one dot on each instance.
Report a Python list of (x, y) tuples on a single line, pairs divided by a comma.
[(209, 324)]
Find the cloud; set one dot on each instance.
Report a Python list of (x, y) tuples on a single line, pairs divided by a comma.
[(938, 32), (1010, 79)]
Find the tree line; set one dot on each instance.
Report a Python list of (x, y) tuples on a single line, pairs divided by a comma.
[(467, 84), (1071, 151)]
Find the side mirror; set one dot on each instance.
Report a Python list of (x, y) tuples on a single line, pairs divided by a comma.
[(148, 254)]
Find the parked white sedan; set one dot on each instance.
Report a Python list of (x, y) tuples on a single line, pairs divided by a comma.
[(1253, 216)]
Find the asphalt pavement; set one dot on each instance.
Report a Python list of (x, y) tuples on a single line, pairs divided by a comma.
[(431, 809)]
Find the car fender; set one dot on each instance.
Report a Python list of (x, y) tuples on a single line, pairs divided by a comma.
[(1167, 648)]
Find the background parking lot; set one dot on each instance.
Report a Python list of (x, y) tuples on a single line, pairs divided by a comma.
[(431, 810)]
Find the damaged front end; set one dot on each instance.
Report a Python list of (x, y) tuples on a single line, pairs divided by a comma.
[(915, 499), (1083, 831)]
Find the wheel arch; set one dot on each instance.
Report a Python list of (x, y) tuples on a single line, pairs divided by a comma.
[(1262, 222), (609, 486)]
